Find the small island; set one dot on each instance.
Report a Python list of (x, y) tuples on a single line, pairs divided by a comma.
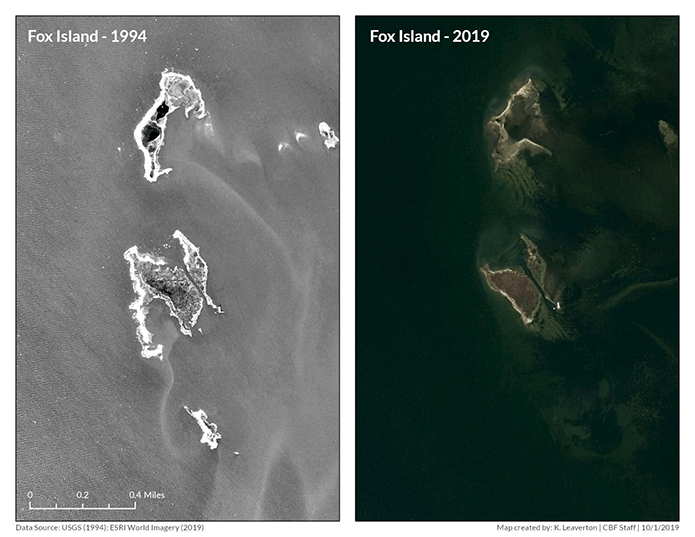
[(210, 434), (176, 90), (196, 268), (526, 286), (522, 113), (515, 286), (330, 140), (182, 288), (669, 136), (516, 133)]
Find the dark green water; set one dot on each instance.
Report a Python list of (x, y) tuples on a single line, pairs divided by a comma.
[(457, 404)]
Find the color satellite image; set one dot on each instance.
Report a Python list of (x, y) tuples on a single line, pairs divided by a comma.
[(517, 260)]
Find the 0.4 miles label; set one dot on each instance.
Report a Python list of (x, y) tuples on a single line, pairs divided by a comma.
[(146, 495)]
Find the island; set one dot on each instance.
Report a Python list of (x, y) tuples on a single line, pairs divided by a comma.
[(526, 285), (196, 268), (176, 90), (330, 140), (182, 288), (513, 131), (210, 434), (669, 136), (522, 113)]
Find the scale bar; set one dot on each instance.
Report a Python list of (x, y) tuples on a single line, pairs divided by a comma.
[(83, 508)]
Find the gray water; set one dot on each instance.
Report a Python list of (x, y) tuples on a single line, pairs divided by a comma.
[(92, 415)]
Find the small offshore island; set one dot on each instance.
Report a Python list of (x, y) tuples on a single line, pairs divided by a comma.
[(182, 289), (176, 90), (516, 287), (516, 133), (210, 434), (330, 140), (526, 286)]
